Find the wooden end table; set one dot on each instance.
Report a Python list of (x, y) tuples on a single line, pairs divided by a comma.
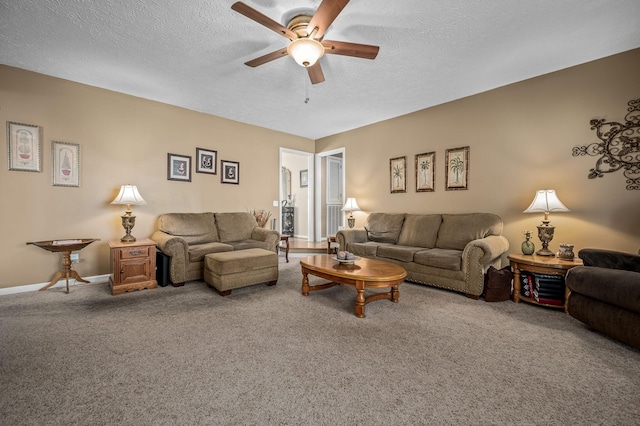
[(133, 266), (65, 247), (364, 274), (549, 265), (330, 239), (285, 238)]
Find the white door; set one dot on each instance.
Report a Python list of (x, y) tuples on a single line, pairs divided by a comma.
[(334, 195)]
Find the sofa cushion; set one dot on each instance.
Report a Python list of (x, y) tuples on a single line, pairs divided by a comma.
[(384, 227), (235, 226), (368, 249), (197, 252), (457, 230), (240, 261), (440, 258), (420, 230), (195, 228), (398, 252), (247, 244)]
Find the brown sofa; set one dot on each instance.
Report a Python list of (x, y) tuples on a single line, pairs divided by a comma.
[(605, 293), (188, 237), (451, 251)]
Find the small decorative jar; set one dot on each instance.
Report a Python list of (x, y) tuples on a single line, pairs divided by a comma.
[(566, 251), (527, 246)]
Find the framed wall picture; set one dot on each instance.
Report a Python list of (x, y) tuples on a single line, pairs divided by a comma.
[(179, 167), (304, 178), (398, 174), (206, 161), (65, 160), (24, 147), (425, 172), (457, 168), (230, 172)]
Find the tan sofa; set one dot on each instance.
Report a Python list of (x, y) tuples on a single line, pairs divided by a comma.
[(188, 237), (451, 251)]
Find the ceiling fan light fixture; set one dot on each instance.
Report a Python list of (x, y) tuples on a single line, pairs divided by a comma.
[(305, 51)]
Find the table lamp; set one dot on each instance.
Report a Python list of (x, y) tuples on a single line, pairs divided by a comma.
[(130, 196), (351, 206), (546, 201)]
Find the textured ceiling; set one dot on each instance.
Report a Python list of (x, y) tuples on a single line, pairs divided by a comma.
[(192, 53)]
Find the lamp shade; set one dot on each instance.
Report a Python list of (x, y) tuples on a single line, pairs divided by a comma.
[(305, 51), (129, 195), (350, 205), (546, 201)]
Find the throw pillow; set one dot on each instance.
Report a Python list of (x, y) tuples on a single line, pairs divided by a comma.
[(497, 284)]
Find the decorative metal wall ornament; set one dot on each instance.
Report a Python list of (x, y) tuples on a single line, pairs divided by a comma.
[(620, 146)]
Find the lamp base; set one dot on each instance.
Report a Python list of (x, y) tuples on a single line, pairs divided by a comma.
[(545, 233), (128, 239), (128, 222), (545, 252), (351, 221)]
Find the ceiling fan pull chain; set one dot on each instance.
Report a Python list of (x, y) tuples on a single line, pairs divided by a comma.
[(306, 90)]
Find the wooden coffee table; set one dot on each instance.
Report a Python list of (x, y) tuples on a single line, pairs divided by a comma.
[(363, 274)]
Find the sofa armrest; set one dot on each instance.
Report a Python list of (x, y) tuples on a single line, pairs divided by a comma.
[(269, 236), (613, 286), (178, 250), (492, 246), (610, 259), (345, 237), (170, 245)]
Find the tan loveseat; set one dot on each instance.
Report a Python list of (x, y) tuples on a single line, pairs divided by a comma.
[(451, 251), (188, 237)]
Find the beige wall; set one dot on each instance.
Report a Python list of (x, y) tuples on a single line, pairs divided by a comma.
[(520, 138), (123, 140)]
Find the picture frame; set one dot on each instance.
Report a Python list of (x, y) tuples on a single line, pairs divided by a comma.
[(398, 174), (425, 172), (457, 168), (24, 147), (65, 160), (229, 172), (179, 167), (206, 161), (304, 178)]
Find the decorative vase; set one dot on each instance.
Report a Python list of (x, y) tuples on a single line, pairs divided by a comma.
[(527, 246), (566, 251)]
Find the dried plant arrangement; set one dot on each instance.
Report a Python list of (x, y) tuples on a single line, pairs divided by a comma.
[(262, 217)]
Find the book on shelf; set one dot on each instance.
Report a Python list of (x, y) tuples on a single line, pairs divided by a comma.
[(534, 293), (548, 287), (546, 301), (548, 295), (549, 276)]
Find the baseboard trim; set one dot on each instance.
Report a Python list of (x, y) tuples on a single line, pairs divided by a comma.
[(61, 283)]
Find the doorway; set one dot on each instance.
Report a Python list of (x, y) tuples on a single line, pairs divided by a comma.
[(329, 192), (295, 216)]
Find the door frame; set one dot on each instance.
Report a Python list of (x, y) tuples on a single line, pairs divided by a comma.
[(318, 182)]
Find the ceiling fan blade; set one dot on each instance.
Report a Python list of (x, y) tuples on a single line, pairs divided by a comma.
[(267, 58), (315, 73), (365, 51), (324, 16), (253, 14)]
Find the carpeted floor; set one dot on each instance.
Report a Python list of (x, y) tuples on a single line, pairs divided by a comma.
[(268, 355)]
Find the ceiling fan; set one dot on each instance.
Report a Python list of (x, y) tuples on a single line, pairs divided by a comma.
[(306, 35)]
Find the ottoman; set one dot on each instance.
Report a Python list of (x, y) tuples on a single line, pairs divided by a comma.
[(234, 269)]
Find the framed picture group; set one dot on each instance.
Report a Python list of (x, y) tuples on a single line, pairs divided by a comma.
[(456, 171), (206, 161), (24, 154)]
